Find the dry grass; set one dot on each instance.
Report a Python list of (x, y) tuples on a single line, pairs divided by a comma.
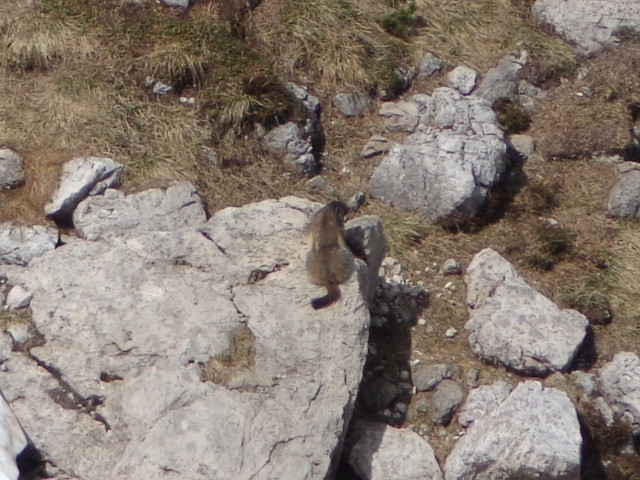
[(591, 116), (240, 357)]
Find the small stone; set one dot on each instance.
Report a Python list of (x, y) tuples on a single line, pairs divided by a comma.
[(184, 4), (318, 183), (426, 377), (404, 375), (352, 104), (522, 144), (18, 298), (451, 267), (451, 332), (422, 322), (20, 335), (160, 88), (356, 201), (429, 65), (376, 145), (462, 79), (472, 377), (445, 401), (449, 285), (11, 169), (399, 116)]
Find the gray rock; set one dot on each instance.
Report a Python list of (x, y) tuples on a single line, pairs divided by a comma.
[(619, 382), (82, 177), (381, 452), (502, 80), (11, 171), (584, 381), (310, 102), (12, 442), (425, 377), (624, 197), (590, 24), (289, 141), (20, 244), (429, 65), (530, 97), (445, 170), (353, 104), (366, 233), (472, 377), (133, 323), (462, 79), (319, 184), (523, 145), (376, 145), (445, 401), (451, 267), (356, 201), (534, 433), (157, 209), (512, 324), (161, 88), (399, 116), (482, 401), (18, 298), (176, 3)]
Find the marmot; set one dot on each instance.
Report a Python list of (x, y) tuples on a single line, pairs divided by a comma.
[(329, 260)]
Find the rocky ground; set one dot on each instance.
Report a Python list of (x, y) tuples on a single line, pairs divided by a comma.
[(159, 162)]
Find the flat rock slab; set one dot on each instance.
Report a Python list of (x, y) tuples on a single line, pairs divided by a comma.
[(590, 24), (11, 170), (445, 170), (381, 452), (399, 116), (158, 209), (82, 177), (132, 324), (19, 244), (512, 324), (534, 433), (619, 382)]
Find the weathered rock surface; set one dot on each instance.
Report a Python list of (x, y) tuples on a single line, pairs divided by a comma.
[(11, 171), (590, 24), (462, 79), (19, 244), (429, 65), (624, 197), (158, 209), (522, 145), (399, 116), (534, 433), (12, 442), (445, 401), (132, 323), (502, 80), (376, 145), (425, 377), (512, 324), (445, 170), (482, 401), (82, 177), (381, 452), (353, 104), (18, 297), (296, 149), (619, 382)]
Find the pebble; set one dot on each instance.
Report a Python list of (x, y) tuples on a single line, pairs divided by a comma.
[(422, 322), (451, 332)]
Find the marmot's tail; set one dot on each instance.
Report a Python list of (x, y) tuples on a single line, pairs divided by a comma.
[(333, 294)]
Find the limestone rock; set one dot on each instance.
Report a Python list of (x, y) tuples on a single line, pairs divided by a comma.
[(512, 324), (462, 79), (502, 80), (18, 298), (134, 324), (534, 433), (297, 151), (590, 24), (11, 171), (624, 197), (482, 401), (19, 244), (12, 442), (444, 170), (429, 65), (157, 209), (619, 382), (445, 401), (522, 145), (353, 104), (425, 377), (399, 116), (381, 452), (376, 145), (82, 177)]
